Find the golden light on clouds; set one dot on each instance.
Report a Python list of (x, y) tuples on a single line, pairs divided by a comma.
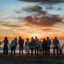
[(39, 24), (30, 30)]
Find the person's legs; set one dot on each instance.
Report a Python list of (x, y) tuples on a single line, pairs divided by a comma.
[(48, 51), (57, 50), (43, 50), (14, 51), (54, 51), (60, 51), (35, 50), (31, 51), (6, 49), (19, 49), (27, 51), (14, 48), (22, 49), (11, 50)]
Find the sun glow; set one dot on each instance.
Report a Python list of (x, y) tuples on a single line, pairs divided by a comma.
[(34, 35)]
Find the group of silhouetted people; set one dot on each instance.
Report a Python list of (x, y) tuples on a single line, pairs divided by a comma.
[(34, 45), (56, 46)]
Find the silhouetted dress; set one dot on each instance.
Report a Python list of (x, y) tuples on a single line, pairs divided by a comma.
[(27, 47)]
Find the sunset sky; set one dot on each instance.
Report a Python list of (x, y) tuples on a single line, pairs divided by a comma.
[(27, 19)]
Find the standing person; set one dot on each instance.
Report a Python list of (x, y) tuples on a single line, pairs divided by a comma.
[(48, 45), (44, 45), (21, 45), (5, 48), (56, 45), (60, 50), (13, 45), (37, 44), (27, 46), (32, 45)]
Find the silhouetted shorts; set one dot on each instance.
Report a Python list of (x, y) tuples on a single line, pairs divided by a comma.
[(37, 47), (20, 48), (56, 47), (13, 48), (32, 48), (5, 48), (48, 48)]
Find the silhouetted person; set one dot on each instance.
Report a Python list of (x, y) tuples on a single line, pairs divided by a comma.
[(56, 45), (44, 44), (37, 44), (32, 45), (21, 45), (13, 45), (60, 50), (5, 48), (48, 45), (40, 47), (27, 46)]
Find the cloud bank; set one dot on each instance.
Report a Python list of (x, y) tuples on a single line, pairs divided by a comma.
[(43, 0), (44, 20), (40, 17)]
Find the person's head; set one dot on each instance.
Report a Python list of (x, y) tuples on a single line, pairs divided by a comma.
[(32, 38), (55, 37), (27, 39), (36, 38), (5, 38), (20, 37), (15, 38), (47, 37), (44, 39)]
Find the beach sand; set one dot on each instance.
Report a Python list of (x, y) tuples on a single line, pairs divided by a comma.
[(28, 59)]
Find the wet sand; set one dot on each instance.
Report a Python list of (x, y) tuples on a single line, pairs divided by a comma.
[(28, 59)]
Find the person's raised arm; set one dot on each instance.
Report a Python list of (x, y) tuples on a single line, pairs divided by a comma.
[(1, 42)]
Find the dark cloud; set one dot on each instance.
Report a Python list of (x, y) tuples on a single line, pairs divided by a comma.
[(43, 0), (44, 20), (37, 9), (33, 9), (41, 18)]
